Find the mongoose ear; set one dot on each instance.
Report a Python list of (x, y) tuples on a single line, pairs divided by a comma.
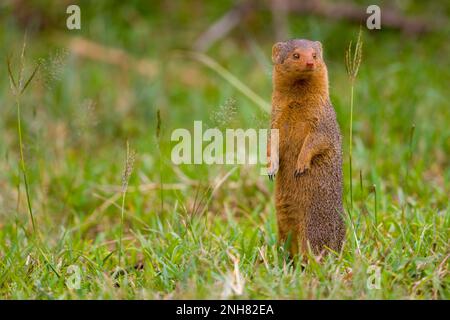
[(319, 48), (276, 52)]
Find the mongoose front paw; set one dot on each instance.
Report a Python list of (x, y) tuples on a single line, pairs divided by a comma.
[(301, 169), (272, 171)]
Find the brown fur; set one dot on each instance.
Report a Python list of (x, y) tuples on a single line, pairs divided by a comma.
[(308, 192)]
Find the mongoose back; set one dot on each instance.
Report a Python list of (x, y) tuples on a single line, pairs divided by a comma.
[(308, 191)]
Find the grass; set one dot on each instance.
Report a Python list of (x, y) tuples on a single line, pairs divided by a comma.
[(215, 236), (18, 88), (353, 58), (128, 169)]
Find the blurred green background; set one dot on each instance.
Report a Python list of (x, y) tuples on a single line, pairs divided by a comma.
[(102, 85)]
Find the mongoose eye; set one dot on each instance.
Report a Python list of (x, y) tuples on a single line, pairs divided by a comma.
[(314, 55), (296, 56)]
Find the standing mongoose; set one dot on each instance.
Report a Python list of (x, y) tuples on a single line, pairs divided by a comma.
[(308, 160)]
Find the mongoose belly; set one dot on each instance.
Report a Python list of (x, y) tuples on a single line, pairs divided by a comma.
[(310, 206)]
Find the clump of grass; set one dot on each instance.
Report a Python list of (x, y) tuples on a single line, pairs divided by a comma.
[(127, 171), (18, 88), (353, 57)]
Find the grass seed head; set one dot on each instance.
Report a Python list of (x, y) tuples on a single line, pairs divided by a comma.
[(353, 57), (129, 163)]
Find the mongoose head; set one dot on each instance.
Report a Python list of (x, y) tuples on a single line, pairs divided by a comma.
[(298, 59)]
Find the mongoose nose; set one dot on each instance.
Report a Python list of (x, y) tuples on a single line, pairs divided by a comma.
[(310, 64)]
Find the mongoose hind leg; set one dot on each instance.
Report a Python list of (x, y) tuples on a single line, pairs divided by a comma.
[(289, 231)]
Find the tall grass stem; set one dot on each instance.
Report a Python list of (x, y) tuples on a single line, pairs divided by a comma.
[(351, 147), (22, 164), (128, 169)]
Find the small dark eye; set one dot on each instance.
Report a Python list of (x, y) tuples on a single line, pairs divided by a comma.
[(296, 56), (314, 56)]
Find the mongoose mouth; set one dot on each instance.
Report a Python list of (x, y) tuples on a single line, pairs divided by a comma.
[(305, 73), (305, 69)]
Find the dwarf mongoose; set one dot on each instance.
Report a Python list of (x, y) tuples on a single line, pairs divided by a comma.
[(308, 191)]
